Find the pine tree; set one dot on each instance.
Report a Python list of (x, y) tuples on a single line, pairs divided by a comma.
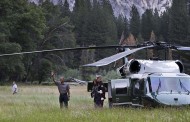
[(126, 27), (80, 18), (120, 26), (156, 24), (65, 9), (134, 25), (147, 24), (108, 8), (111, 25), (178, 22), (164, 25)]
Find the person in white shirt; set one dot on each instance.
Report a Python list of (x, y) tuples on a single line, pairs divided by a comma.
[(14, 88)]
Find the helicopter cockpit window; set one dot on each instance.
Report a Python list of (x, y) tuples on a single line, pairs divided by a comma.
[(169, 84), (121, 87)]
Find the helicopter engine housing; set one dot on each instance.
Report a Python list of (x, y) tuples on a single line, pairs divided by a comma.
[(134, 66), (153, 66), (180, 65)]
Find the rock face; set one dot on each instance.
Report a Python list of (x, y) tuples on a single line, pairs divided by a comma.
[(123, 7), (71, 2)]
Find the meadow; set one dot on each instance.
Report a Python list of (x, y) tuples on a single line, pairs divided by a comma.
[(40, 104)]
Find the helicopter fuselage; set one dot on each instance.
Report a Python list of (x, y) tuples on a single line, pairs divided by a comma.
[(150, 83)]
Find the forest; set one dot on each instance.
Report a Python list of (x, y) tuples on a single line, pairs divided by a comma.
[(26, 26)]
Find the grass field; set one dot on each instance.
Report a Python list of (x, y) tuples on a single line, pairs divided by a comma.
[(40, 104)]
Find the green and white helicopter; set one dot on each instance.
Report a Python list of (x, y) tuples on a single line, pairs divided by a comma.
[(150, 82)]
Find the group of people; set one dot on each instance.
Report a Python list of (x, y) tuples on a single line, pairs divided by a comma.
[(98, 91)]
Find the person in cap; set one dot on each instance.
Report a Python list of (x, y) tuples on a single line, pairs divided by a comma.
[(64, 90), (98, 92)]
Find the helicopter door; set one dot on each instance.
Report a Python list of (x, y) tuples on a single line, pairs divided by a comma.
[(137, 91), (119, 91)]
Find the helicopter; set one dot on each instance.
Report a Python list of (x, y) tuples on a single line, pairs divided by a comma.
[(148, 83), (151, 82)]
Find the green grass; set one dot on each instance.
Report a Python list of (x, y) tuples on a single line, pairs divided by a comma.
[(40, 104)]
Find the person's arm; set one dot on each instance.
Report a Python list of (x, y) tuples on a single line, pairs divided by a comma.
[(68, 90), (92, 92), (53, 77)]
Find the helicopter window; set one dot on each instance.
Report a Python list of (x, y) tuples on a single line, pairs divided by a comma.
[(121, 87), (185, 84), (169, 84), (121, 90), (137, 88)]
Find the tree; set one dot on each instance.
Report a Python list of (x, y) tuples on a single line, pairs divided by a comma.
[(29, 33), (65, 9), (80, 18), (164, 25), (26, 30), (44, 70), (147, 24), (87, 57), (156, 24), (134, 25), (11, 67), (59, 33), (179, 26), (178, 22), (126, 27), (120, 26)]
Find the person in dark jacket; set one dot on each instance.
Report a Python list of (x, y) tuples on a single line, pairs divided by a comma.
[(98, 92)]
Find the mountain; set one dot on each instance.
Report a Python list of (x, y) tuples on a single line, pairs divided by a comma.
[(123, 7), (71, 2)]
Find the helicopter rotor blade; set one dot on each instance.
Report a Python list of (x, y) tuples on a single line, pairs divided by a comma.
[(66, 49), (115, 57), (183, 48)]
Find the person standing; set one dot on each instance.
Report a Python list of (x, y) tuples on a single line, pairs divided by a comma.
[(64, 90), (14, 88), (98, 92)]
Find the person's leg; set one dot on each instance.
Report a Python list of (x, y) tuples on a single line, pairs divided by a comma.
[(102, 103), (98, 104), (95, 105), (61, 101), (66, 101), (61, 104)]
